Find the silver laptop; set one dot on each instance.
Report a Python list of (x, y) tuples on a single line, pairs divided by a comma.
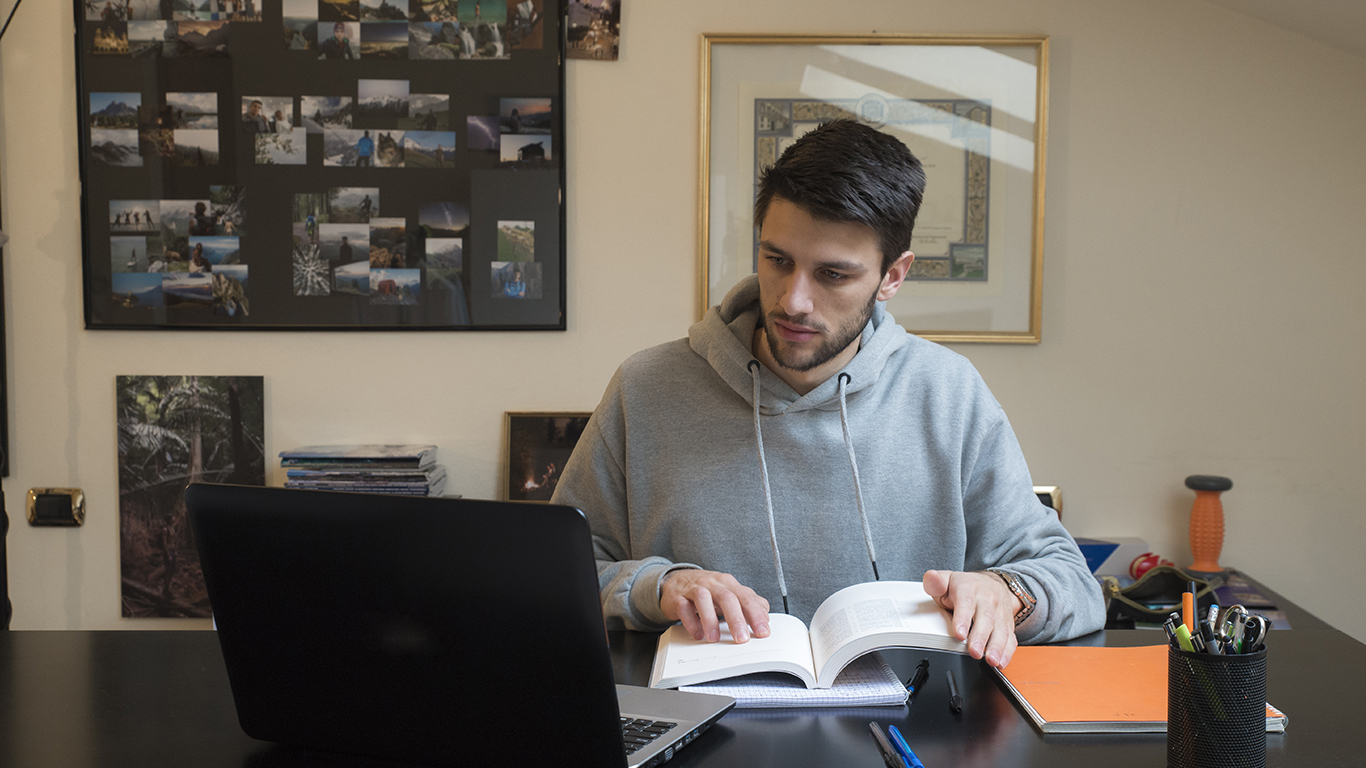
[(426, 629)]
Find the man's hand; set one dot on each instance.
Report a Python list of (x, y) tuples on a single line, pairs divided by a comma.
[(983, 609), (696, 598)]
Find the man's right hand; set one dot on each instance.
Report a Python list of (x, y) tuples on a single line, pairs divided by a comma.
[(697, 597)]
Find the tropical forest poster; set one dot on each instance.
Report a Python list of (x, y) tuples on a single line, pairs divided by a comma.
[(173, 431)]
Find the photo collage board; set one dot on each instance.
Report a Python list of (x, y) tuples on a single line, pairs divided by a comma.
[(322, 164)]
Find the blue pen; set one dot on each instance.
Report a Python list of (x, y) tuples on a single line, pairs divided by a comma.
[(904, 749)]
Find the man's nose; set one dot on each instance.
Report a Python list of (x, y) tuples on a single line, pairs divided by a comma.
[(796, 298)]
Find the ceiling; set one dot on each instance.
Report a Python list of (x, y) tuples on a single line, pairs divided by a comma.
[(1339, 23)]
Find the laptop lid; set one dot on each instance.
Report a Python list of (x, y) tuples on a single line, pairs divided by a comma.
[(430, 629)]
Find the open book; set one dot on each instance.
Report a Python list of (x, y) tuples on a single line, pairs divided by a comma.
[(849, 624)]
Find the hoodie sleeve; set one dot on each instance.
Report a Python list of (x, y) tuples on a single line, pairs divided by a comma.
[(1009, 528), (594, 481)]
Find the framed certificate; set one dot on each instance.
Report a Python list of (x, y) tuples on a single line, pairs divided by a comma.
[(973, 110)]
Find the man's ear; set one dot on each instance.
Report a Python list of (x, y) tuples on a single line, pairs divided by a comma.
[(896, 274)]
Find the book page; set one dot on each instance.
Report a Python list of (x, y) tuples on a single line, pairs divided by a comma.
[(878, 614), (868, 682), (681, 660)]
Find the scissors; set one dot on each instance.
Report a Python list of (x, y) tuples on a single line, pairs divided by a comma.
[(1254, 632), (1231, 629)]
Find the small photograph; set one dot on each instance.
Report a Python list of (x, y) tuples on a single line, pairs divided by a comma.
[(429, 149), (353, 278), (339, 40), (389, 149), (230, 290), (433, 40), (240, 10), (109, 38), (323, 112), (196, 110), (187, 289), (300, 19), (345, 243), (151, 38), (483, 133), (338, 10), (192, 10), (524, 116), (114, 110), (384, 40), (115, 147), (128, 253), (310, 210), (147, 10), (342, 147), (106, 10), (134, 216), (380, 103), (289, 148), (134, 290), (267, 114), (228, 209), (202, 38), (427, 112), (539, 445), (594, 29), (155, 141), (196, 148), (443, 219), (212, 251), (525, 27), (400, 287), (432, 10), (312, 273), (383, 10), (516, 241), (173, 242), (182, 218), (388, 244), (445, 262), (483, 29), (524, 149), (353, 205), (516, 279)]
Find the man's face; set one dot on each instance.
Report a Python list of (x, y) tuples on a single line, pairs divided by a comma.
[(254, 109), (818, 282), (339, 32)]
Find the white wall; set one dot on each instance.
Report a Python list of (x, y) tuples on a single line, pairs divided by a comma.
[(1201, 309)]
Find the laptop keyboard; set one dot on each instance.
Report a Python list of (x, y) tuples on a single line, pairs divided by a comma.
[(638, 732)]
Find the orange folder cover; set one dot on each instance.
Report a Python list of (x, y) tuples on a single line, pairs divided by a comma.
[(1074, 689)]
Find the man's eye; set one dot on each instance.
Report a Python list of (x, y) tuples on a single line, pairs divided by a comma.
[(835, 277)]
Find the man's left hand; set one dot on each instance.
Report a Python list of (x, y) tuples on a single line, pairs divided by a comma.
[(983, 609)]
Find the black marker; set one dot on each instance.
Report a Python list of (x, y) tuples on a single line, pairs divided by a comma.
[(955, 701), (918, 679)]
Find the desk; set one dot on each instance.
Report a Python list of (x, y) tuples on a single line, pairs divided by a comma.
[(147, 699)]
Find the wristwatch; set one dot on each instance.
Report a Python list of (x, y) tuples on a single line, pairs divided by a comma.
[(1020, 590)]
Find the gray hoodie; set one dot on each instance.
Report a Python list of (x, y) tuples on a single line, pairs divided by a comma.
[(913, 465)]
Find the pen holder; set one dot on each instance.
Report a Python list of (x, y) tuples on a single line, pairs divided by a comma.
[(1216, 710)]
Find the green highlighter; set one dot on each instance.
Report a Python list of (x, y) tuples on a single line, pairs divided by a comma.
[(1183, 636)]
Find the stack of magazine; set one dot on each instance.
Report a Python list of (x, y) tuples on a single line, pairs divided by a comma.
[(406, 470)]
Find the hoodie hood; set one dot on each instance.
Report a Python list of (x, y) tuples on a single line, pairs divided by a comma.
[(724, 335)]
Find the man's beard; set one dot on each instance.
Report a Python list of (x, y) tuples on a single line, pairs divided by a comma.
[(828, 351)]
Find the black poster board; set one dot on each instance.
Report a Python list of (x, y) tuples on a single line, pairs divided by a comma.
[(322, 164)]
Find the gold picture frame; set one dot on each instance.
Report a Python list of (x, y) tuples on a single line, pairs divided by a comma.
[(974, 108), (538, 445)]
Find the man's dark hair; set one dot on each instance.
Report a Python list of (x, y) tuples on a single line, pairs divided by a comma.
[(845, 171)]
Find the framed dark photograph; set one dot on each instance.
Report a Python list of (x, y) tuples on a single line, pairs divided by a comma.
[(322, 164), (539, 444)]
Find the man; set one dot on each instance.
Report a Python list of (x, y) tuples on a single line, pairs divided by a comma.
[(253, 121), (344, 252), (799, 441), (365, 149), (515, 288), (202, 222), (338, 46)]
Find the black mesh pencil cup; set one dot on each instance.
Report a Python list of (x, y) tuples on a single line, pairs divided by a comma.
[(1216, 710)]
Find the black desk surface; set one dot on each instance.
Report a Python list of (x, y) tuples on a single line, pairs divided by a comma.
[(145, 699)]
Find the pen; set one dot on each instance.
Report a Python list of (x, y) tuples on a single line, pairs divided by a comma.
[(1188, 608), (889, 755), (1207, 637), (905, 749), (955, 701), (918, 679)]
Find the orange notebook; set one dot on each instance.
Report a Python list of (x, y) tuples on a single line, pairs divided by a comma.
[(1072, 689)]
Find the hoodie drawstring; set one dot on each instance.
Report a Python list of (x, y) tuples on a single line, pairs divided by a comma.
[(845, 379), (768, 494)]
